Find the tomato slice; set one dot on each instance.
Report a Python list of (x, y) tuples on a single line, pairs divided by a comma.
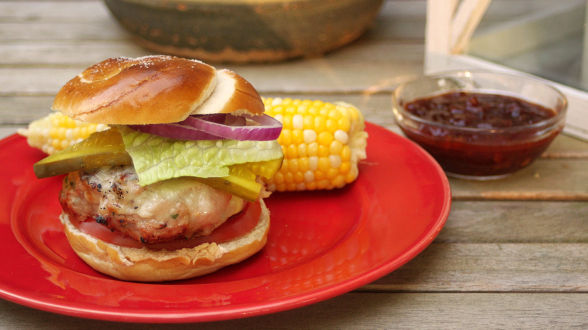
[(236, 226)]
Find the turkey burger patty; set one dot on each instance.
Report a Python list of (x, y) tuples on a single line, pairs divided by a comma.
[(156, 213)]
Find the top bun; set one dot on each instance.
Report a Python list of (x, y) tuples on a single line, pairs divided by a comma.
[(154, 90)]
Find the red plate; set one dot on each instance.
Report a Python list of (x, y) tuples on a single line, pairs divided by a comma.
[(321, 244)]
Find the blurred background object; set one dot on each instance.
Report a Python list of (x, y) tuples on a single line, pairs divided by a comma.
[(241, 31)]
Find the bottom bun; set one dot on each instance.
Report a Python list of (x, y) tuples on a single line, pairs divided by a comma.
[(144, 265)]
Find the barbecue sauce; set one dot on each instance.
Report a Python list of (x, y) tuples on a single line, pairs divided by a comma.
[(481, 135)]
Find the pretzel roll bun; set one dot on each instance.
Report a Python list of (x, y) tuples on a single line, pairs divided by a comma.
[(145, 265), (154, 90)]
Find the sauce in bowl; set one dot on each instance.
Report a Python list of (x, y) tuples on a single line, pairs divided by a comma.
[(478, 110), (478, 135)]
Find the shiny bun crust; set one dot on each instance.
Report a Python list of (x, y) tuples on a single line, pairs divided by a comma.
[(154, 90), (143, 265), (232, 94)]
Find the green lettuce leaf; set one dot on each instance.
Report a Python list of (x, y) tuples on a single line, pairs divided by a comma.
[(157, 158)]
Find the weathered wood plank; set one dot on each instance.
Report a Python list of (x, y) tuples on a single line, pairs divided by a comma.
[(565, 146), (24, 109), (493, 267), (515, 221), (50, 11), (367, 311), (107, 29), (7, 130), (545, 179), (75, 53), (25, 81)]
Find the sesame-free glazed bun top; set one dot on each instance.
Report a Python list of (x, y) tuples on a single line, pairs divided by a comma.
[(154, 90)]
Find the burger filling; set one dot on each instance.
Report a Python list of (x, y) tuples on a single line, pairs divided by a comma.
[(168, 210)]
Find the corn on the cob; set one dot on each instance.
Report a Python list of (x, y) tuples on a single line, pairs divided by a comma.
[(322, 143), (58, 131)]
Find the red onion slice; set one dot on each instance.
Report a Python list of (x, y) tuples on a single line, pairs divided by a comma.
[(217, 127), (175, 131)]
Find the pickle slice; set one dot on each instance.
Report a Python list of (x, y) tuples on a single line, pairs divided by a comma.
[(104, 148), (242, 178), (240, 182)]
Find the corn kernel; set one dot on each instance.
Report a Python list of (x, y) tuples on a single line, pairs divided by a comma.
[(331, 125), (292, 165), (298, 177), (297, 136), (313, 149), (323, 151), (339, 181), (303, 164), (335, 148), (291, 151), (322, 184), (325, 138), (302, 150), (335, 161), (287, 120), (319, 123), (309, 136), (341, 136), (278, 178), (346, 153), (351, 175), (332, 173), (323, 164), (285, 138), (289, 177), (308, 122), (279, 110), (313, 163), (297, 122), (344, 124), (345, 167), (334, 113), (318, 175)]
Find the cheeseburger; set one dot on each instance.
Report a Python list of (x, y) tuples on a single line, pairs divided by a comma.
[(173, 188)]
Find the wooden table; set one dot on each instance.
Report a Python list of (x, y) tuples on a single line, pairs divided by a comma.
[(513, 254)]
